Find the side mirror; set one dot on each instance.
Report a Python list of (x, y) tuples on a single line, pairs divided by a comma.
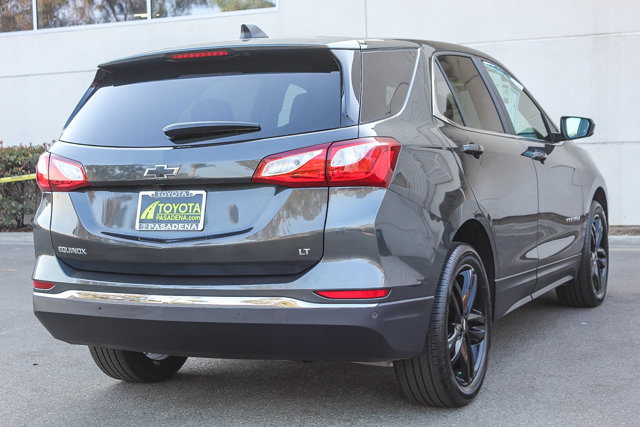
[(576, 127)]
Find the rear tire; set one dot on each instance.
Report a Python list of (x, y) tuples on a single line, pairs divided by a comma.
[(451, 370), (590, 287), (135, 367)]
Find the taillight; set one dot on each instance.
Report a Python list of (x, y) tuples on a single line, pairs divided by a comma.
[(359, 162), (368, 161), (363, 294), (42, 172), (38, 284), (56, 173), (298, 168)]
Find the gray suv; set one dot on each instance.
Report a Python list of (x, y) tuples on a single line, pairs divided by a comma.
[(312, 199)]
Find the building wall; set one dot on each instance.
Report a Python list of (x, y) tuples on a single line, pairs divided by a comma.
[(576, 57)]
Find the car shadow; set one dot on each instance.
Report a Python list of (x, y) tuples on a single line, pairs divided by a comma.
[(331, 390)]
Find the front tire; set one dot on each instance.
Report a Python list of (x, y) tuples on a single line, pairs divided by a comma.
[(135, 367), (451, 370), (590, 287)]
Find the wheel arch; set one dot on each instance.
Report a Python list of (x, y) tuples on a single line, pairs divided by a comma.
[(601, 197), (474, 233)]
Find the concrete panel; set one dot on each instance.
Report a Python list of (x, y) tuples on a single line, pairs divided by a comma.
[(618, 164), (465, 21), (33, 109)]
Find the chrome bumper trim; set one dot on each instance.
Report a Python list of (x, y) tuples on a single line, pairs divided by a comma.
[(176, 300)]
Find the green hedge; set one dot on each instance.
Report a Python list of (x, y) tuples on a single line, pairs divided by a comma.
[(18, 200)]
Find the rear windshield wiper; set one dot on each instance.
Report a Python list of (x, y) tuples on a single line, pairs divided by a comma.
[(180, 133)]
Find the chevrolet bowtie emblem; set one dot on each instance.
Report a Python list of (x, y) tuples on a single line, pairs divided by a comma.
[(161, 171)]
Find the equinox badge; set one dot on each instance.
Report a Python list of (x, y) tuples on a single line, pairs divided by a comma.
[(161, 171)]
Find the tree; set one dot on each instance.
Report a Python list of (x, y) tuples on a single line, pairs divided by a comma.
[(164, 8), (62, 13), (228, 5), (16, 15)]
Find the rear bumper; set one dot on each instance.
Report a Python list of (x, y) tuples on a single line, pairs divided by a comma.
[(233, 327)]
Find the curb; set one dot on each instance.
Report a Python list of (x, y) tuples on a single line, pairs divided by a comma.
[(624, 240), (16, 238)]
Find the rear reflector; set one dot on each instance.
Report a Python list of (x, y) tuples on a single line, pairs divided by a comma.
[(366, 294), (359, 162), (56, 173), (197, 55), (37, 284)]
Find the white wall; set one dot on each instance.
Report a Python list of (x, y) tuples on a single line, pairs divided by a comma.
[(577, 57)]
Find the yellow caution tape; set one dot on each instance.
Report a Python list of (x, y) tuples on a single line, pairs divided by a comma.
[(18, 178)]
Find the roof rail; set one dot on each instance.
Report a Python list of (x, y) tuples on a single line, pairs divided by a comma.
[(250, 31)]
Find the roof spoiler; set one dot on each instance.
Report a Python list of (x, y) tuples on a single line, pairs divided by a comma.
[(250, 31)]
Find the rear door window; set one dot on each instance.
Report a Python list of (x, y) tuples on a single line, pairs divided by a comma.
[(524, 114), (386, 78), (475, 103), (284, 96), (445, 101)]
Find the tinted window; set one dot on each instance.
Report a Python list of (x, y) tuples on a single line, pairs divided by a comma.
[(445, 102), (473, 97), (16, 15), (282, 103), (55, 13), (386, 76), (64, 13), (526, 117), (163, 8)]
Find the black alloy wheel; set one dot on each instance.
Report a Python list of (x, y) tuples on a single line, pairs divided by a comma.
[(590, 287), (599, 257), (450, 372), (467, 333)]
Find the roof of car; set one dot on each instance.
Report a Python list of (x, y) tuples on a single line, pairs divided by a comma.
[(307, 42)]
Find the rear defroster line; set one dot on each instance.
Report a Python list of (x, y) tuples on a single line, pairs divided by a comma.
[(176, 240)]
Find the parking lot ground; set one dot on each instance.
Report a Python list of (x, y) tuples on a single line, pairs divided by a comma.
[(549, 365)]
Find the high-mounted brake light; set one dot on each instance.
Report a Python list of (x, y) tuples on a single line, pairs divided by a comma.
[(197, 55), (56, 173), (38, 284), (363, 294), (358, 162)]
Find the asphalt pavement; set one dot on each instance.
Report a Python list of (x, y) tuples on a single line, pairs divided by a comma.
[(549, 365)]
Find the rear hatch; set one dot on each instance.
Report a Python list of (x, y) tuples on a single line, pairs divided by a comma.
[(170, 142)]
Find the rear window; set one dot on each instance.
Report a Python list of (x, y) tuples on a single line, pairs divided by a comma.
[(285, 93), (386, 77)]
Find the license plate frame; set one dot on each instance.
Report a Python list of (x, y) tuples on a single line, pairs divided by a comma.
[(171, 210)]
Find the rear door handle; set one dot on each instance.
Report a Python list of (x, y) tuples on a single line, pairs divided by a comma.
[(474, 149)]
